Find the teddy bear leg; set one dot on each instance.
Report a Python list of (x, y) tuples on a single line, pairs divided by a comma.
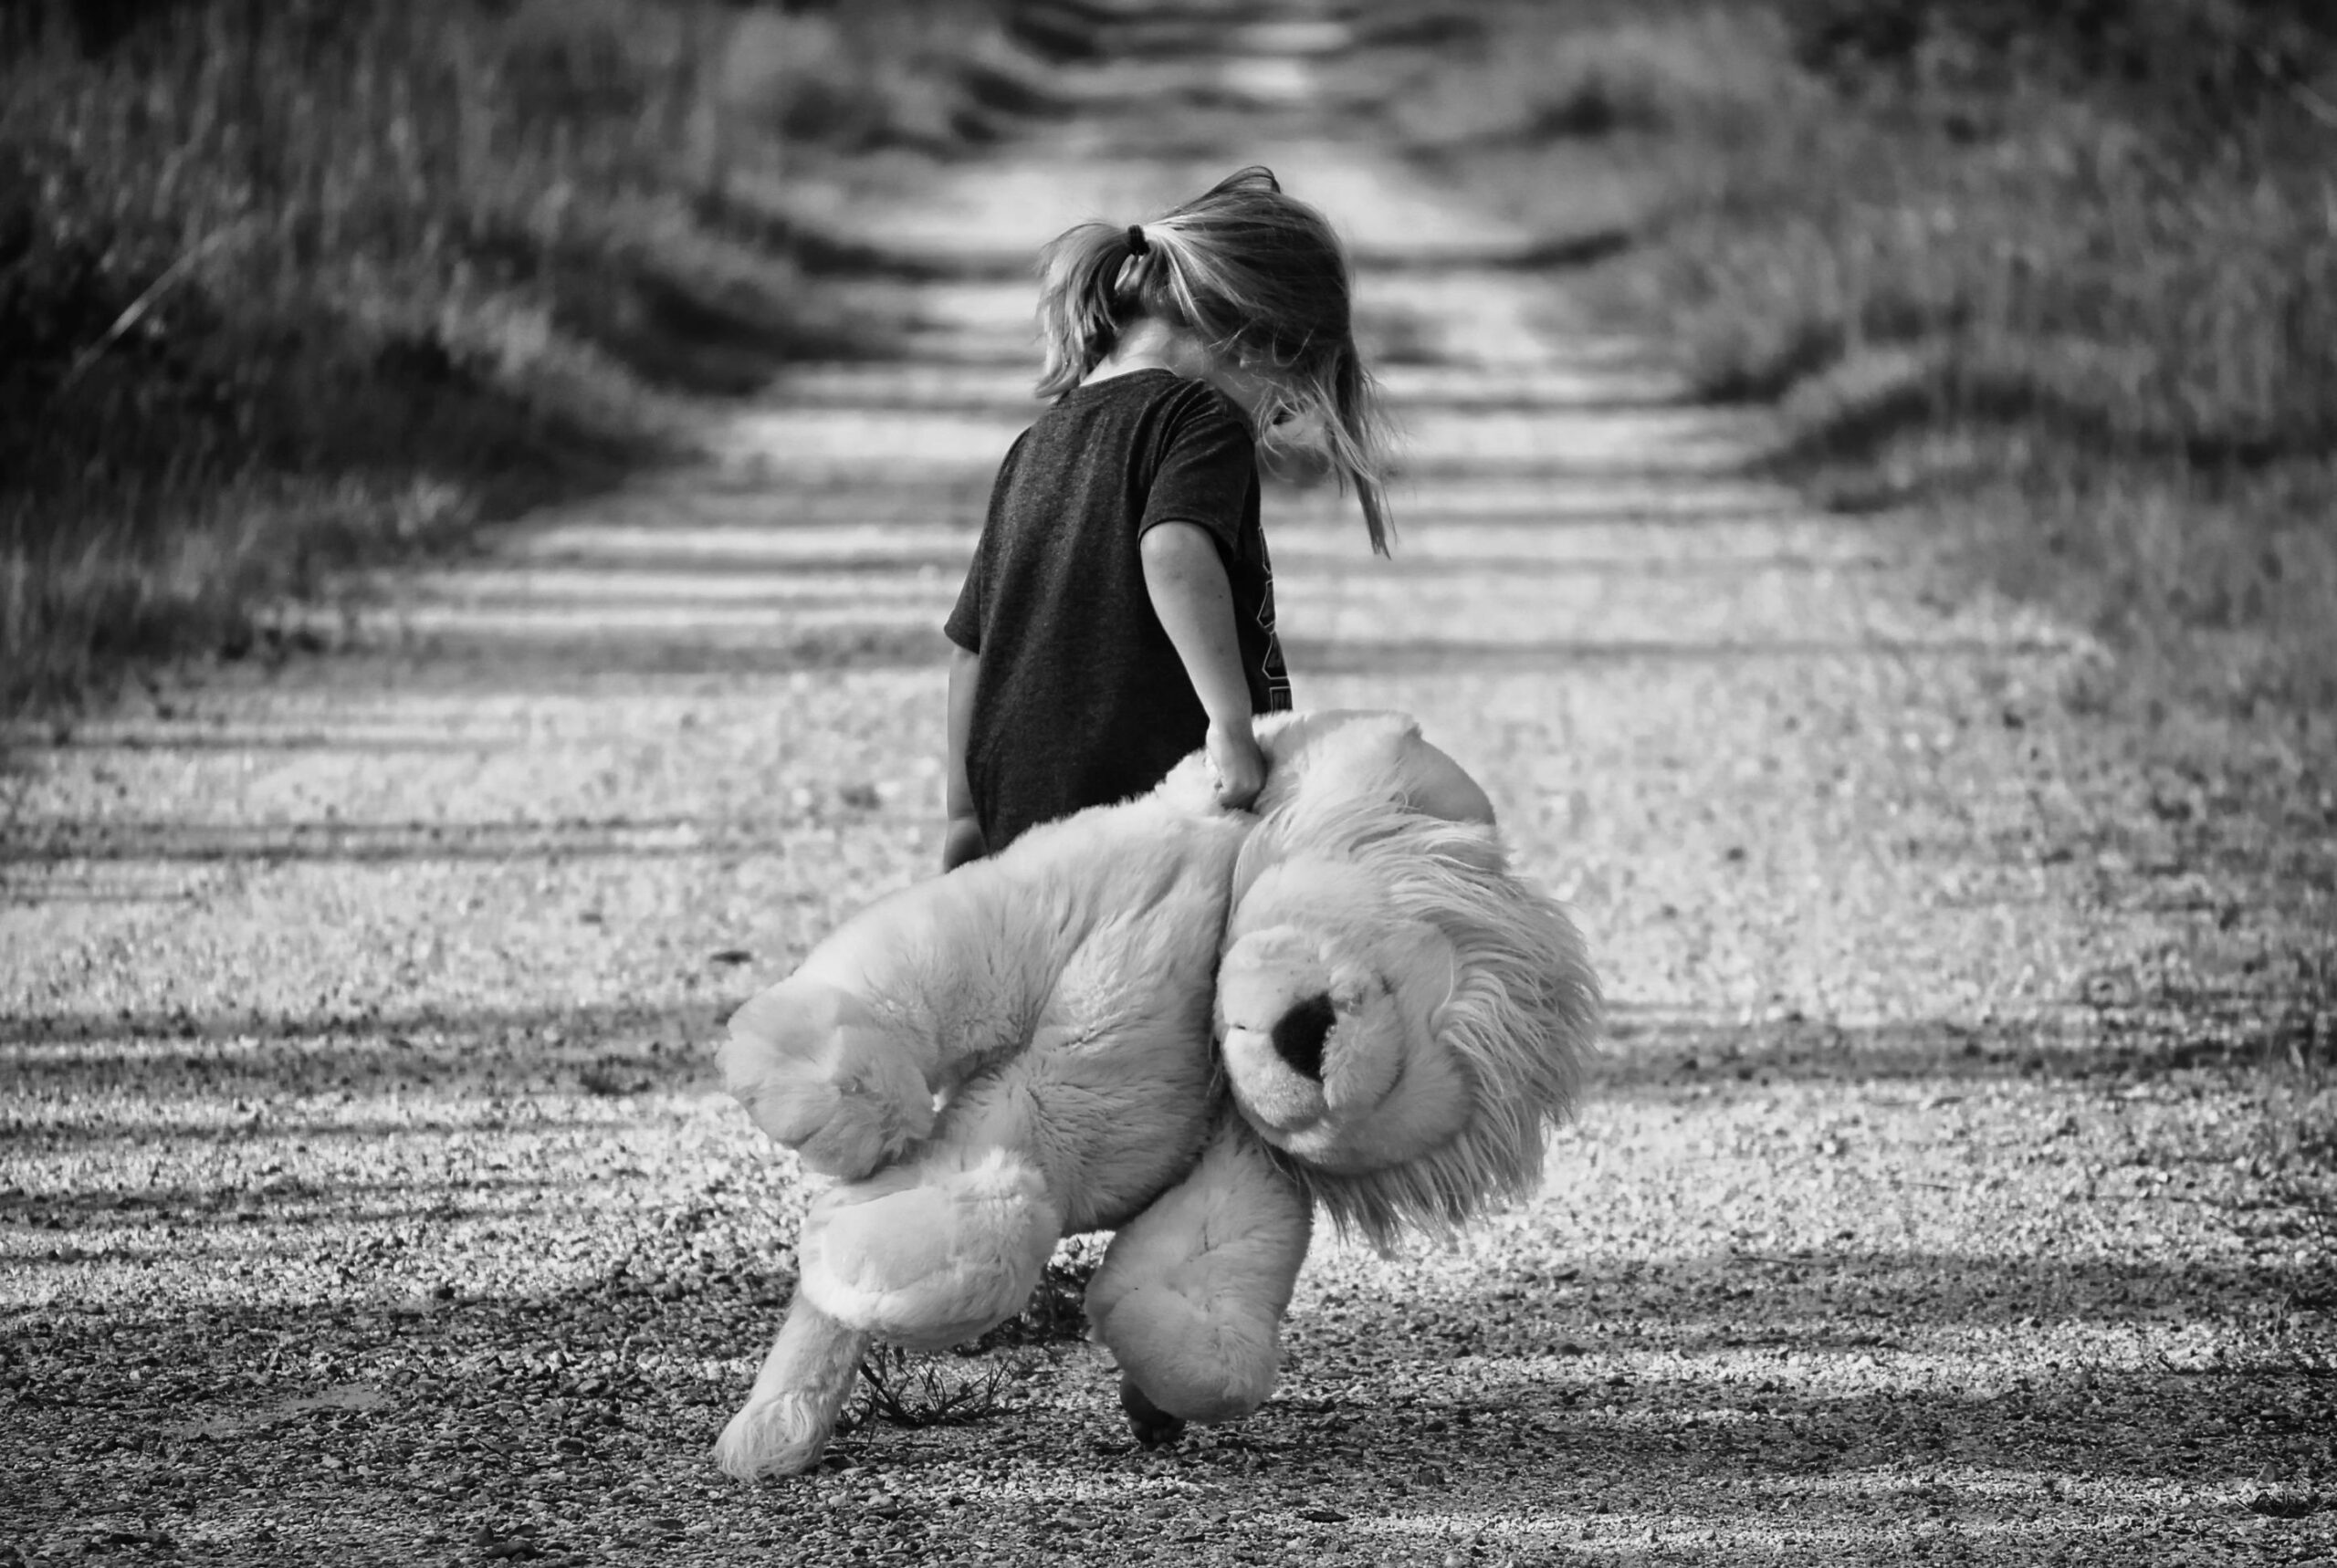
[(931, 1254), (1191, 1292), (798, 1394)]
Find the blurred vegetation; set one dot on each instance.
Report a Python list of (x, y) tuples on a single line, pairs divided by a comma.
[(289, 283), (2062, 271)]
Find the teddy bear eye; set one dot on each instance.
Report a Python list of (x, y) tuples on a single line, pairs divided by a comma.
[(1299, 1034)]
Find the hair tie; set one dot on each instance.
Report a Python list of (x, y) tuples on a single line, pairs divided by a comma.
[(1137, 243)]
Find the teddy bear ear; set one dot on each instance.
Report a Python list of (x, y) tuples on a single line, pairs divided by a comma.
[(1328, 766), (1436, 786)]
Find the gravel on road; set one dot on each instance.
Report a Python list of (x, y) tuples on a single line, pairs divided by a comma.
[(367, 1197)]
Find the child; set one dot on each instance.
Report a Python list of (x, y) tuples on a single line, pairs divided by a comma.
[(1119, 611)]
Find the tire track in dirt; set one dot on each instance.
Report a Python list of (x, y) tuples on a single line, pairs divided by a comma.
[(355, 1014)]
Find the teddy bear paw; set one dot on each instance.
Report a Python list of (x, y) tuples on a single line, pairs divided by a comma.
[(863, 1132), (770, 1438), (1152, 1426), (813, 1075)]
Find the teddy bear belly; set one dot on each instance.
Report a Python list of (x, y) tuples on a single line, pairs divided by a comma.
[(1113, 1120), (1118, 1070)]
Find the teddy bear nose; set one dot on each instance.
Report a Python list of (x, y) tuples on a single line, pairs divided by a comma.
[(1299, 1034)]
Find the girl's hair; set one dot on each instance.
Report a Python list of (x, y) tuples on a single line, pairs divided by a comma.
[(1263, 280)]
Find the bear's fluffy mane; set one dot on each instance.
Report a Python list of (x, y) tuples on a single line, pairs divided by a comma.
[(1523, 1010)]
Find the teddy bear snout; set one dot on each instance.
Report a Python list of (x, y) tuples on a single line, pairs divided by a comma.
[(1300, 1033), (1276, 1069)]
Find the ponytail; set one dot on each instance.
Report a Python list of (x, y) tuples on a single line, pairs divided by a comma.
[(1089, 281), (1259, 277)]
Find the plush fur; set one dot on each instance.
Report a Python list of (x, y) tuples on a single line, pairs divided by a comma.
[(1187, 1026)]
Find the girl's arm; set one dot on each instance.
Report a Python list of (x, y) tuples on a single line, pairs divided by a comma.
[(1195, 602), (961, 838)]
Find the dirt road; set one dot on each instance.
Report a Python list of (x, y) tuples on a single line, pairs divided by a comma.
[(366, 1195)]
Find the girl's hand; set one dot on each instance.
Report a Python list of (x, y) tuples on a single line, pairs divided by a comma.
[(1239, 766)]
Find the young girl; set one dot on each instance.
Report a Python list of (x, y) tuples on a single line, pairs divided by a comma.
[(1119, 611)]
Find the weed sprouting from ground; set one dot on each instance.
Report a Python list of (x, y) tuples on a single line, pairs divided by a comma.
[(981, 1380), (902, 1389)]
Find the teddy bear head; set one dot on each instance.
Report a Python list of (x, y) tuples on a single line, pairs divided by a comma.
[(1398, 1016)]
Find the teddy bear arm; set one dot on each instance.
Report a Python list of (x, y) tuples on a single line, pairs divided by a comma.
[(817, 1072), (842, 1060), (1191, 1293)]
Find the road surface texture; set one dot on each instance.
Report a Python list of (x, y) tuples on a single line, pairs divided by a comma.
[(367, 1195)]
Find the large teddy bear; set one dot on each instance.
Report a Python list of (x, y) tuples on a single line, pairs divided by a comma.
[(1187, 1025)]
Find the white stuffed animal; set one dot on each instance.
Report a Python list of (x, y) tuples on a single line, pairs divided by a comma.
[(1182, 1024)]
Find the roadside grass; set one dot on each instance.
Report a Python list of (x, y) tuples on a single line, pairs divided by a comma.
[(286, 287), (2060, 283), (2063, 279)]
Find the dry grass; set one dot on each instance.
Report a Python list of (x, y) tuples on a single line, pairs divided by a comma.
[(2072, 271), (992, 1375), (917, 1391), (282, 284)]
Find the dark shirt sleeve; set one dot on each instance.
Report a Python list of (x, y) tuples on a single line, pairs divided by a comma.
[(964, 626), (1207, 466)]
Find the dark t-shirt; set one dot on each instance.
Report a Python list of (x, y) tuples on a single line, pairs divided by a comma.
[(1082, 699)]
